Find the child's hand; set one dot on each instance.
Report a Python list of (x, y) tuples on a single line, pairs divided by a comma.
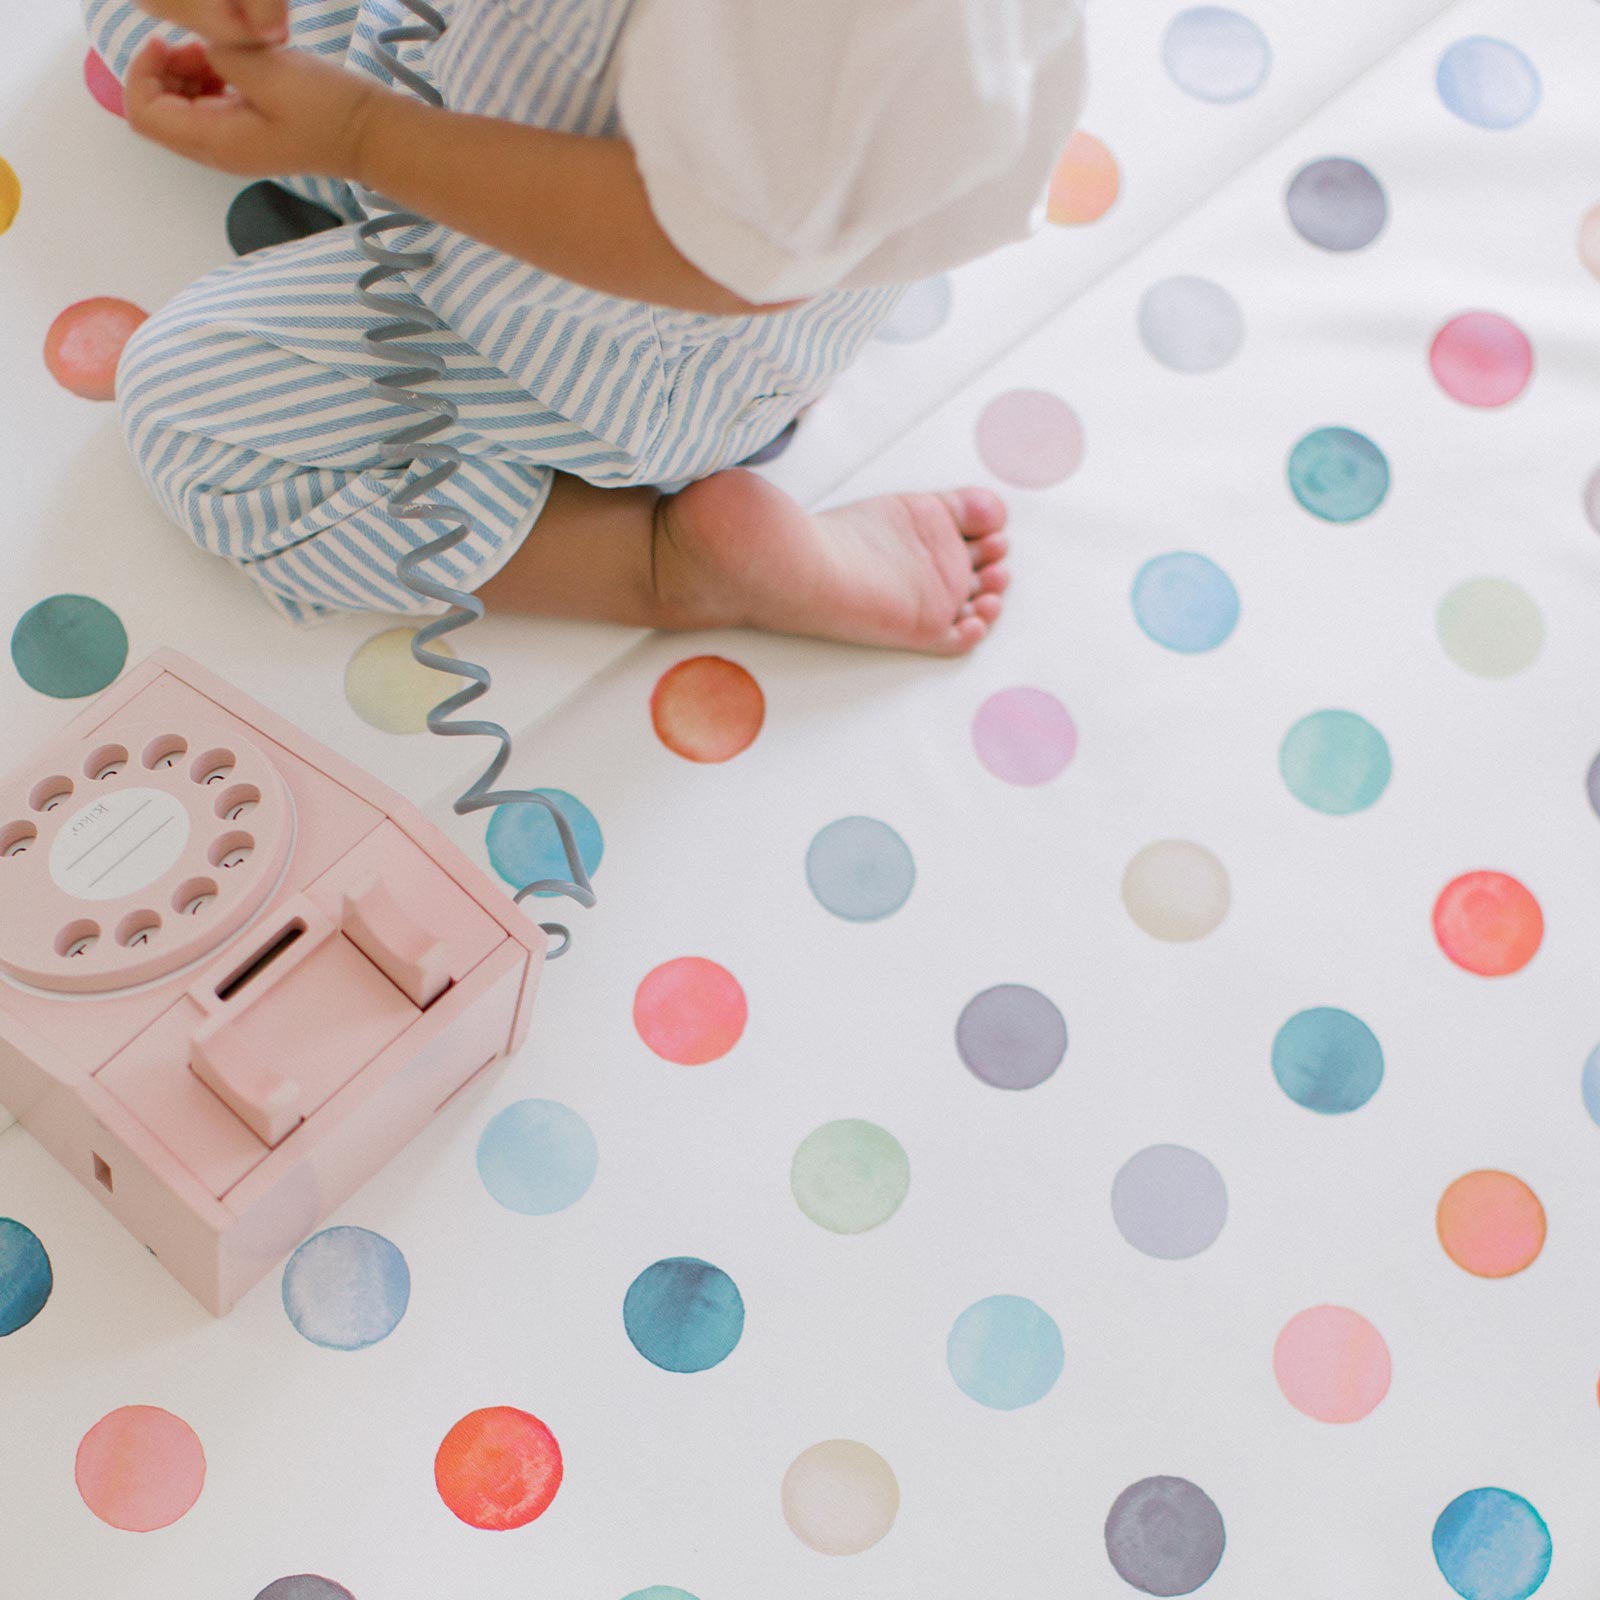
[(258, 113), (226, 21)]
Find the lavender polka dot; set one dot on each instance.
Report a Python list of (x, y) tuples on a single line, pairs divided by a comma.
[(1165, 1536), (1336, 204), (1594, 785), (1169, 1202), (1591, 500), (1024, 736), (1011, 1036), (1030, 438), (922, 309)]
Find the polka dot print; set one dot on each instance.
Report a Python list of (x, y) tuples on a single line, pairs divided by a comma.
[(1185, 602), (690, 1011), (525, 845), (84, 344), (389, 689), (1176, 891), (1491, 1544), (25, 1275), (140, 1468), (498, 1468), (1030, 439), (346, 1288), (1005, 1352), (1327, 1060), (1011, 1036), (1591, 1085), (1481, 359), (1589, 240), (684, 1315), (1165, 1536), (1169, 1202), (1488, 923), (1489, 83), (1332, 1364), (101, 82), (537, 1157), (1490, 627), (660, 1591), (1216, 54), (1336, 204), (1591, 499), (1024, 736), (69, 646), (840, 1497), (1085, 184), (1335, 762), (305, 1586), (922, 310), (1491, 1224), (707, 709), (1191, 324), (850, 1176), (1338, 474), (860, 869), (10, 195)]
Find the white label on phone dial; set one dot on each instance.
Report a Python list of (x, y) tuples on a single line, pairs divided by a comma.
[(117, 845)]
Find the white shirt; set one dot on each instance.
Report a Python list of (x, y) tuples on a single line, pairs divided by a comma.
[(794, 146)]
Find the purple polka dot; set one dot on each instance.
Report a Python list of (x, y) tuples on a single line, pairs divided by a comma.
[(1591, 500), (1594, 785), (1011, 1036), (1030, 438), (1024, 736)]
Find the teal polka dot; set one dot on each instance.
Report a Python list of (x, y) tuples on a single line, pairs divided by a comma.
[(1005, 1352), (683, 1314), (659, 1591), (1327, 1060), (25, 1276), (69, 646), (524, 845), (1185, 602), (1492, 1544), (1335, 762), (1338, 474)]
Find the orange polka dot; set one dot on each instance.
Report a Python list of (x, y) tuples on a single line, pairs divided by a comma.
[(498, 1468), (707, 709), (85, 343), (1086, 182), (1488, 923), (690, 1011), (140, 1468), (1491, 1224)]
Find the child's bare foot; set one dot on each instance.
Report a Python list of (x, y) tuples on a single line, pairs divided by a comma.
[(911, 572)]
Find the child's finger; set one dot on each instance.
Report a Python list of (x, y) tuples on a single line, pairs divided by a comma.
[(266, 20)]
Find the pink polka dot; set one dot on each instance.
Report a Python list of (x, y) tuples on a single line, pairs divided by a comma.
[(1030, 438), (85, 343), (1024, 736), (1481, 359), (1332, 1364), (140, 1468), (690, 1011), (102, 83)]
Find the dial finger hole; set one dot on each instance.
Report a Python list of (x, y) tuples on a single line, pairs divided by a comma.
[(109, 761), (77, 939), (137, 929), (164, 753), (50, 793), (238, 801), (212, 767), (231, 850), (194, 896), (16, 838)]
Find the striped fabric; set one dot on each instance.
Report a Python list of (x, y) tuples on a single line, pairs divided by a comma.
[(245, 401)]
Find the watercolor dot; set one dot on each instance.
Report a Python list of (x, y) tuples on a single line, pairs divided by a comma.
[(1589, 240), (921, 311), (840, 1497), (1327, 1060), (305, 1586), (1338, 474), (84, 344), (1011, 1036), (25, 1275), (1332, 1364), (690, 1011), (1085, 184), (1488, 923), (850, 1176), (1190, 324), (1591, 500), (1185, 602), (140, 1468), (774, 447), (1215, 54), (537, 1157), (498, 1468), (1336, 204), (1165, 1536), (660, 1591), (1176, 890), (1592, 783), (69, 646), (1481, 359), (1169, 1202), (1030, 438), (1491, 1224), (1335, 762), (1488, 82), (389, 689), (860, 869), (683, 1314), (1024, 736), (102, 83), (1591, 1085), (346, 1288), (265, 214), (707, 709), (1490, 627), (10, 194), (1492, 1545), (525, 847), (1005, 1352)]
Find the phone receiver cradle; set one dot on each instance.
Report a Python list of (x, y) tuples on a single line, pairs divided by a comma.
[(237, 974)]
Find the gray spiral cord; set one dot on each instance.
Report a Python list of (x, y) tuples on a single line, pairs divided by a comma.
[(408, 320)]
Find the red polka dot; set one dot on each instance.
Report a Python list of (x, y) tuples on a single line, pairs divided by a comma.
[(498, 1468), (690, 1011), (102, 82), (140, 1468), (85, 343), (1481, 359), (707, 709), (1488, 923)]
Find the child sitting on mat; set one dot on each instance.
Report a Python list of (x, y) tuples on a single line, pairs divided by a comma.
[(663, 226)]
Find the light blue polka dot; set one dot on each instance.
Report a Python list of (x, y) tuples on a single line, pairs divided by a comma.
[(860, 869), (1327, 1060), (660, 1591), (683, 1315), (1005, 1352), (537, 1157), (1185, 602), (25, 1276), (1492, 1545), (524, 845), (346, 1288), (1591, 1084), (922, 309), (1488, 82), (1335, 762), (1216, 54), (1338, 474)]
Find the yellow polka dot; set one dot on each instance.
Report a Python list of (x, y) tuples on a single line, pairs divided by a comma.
[(387, 688), (1086, 182), (10, 195)]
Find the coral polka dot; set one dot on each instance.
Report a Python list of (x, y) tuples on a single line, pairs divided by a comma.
[(498, 1468), (1491, 1224), (140, 1468), (707, 709), (85, 343), (1086, 182), (1488, 923), (1481, 359), (690, 1011)]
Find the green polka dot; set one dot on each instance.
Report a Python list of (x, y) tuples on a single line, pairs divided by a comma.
[(850, 1176), (69, 646), (1335, 762), (1490, 627), (1338, 474)]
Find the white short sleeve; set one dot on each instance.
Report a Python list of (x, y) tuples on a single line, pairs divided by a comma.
[(794, 146)]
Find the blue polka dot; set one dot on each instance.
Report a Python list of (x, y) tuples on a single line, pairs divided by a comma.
[(1335, 762), (25, 1276), (1338, 474), (1216, 54), (1005, 1352), (69, 646), (1327, 1060), (1591, 1084), (1492, 1545), (683, 1315), (860, 869), (525, 847), (537, 1157), (1489, 83), (922, 309), (1185, 602), (346, 1288)]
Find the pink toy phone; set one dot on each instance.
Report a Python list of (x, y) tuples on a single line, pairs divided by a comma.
[(237, 974)]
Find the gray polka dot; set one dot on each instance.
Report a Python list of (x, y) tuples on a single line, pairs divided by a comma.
[(1191, 324), (1337, 204), (1011, 1036), (920, 312), (860, 869), (1165, 1536), (305, 1586), (1594, 785), (1169, 1202)]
